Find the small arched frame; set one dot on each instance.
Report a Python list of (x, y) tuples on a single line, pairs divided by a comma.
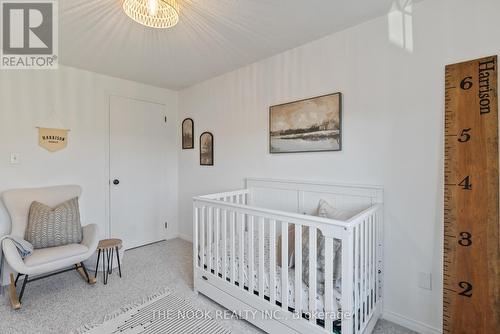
[(187, 134), (206, 149)]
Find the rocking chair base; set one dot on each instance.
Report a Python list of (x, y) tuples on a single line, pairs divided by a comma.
[(15, 300), (89, 279)]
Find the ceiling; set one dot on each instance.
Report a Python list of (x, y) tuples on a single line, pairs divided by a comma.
[(212, 37)]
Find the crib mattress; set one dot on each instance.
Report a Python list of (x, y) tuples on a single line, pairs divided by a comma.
[(291, 274)]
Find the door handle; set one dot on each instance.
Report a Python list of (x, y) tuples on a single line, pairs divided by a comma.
[(116, 182)]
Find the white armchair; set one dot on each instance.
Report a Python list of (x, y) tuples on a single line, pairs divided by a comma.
[(48, 261)]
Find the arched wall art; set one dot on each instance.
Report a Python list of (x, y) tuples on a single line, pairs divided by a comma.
[(187, 134), (207, 149)]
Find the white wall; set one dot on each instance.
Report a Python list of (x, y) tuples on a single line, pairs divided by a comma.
[(77, 100), (393, 85)]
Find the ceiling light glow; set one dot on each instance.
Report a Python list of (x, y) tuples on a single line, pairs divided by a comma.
[(153, 13), (153, 7)]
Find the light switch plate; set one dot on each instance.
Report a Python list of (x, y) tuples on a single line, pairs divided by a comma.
[(15, 158), (425, 281)]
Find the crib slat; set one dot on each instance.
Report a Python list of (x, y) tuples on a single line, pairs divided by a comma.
[(196, 247), (362, 272), (261, 257), (374, 267), (241, 239), (368, 270), (232, 237), (272, 261), (209, 238), (374, 260), (361, 252), (284, 265), (356, 278), (349, 265), (365, 270), (224, 245), (298, 269), (370, 263), (217, 238), (312, 273), (202, 238), (369, 267), (251, 270), (380, 254), (329, 284), (375, 254)]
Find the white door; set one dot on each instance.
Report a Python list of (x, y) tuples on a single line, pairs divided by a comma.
[(138, 171)]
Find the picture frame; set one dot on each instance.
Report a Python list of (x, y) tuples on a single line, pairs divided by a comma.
[(307, 125), (187, 138), (206, 149)]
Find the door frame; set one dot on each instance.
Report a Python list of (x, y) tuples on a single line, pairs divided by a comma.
[(108, 96)]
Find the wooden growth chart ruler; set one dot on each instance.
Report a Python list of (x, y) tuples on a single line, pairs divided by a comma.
[(471, 296)]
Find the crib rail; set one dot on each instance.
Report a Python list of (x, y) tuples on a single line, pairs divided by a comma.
[(365, 245), (237, 197), (237, 201), (227, 232)]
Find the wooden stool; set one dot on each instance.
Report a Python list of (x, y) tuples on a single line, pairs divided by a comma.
[(107, 247)]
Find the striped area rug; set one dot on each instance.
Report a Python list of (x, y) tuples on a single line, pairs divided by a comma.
[(162, 313)]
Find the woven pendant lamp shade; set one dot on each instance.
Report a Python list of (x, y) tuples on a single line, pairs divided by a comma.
[(166, 13)]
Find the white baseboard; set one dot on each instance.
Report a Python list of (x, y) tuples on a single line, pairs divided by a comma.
[(414, 325), (182, 236), (185, 237)]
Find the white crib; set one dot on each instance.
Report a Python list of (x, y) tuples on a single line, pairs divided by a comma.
[(234, 247)]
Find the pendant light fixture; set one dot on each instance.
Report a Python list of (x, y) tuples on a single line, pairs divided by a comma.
[(153, 13)]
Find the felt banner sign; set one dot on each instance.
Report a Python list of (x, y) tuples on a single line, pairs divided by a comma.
[(52, 139)]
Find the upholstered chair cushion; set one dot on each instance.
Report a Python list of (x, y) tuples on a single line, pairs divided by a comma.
[(52, 227)]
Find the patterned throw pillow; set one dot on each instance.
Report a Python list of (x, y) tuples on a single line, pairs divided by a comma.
[(52, 227), (336, 257), (325, 210)]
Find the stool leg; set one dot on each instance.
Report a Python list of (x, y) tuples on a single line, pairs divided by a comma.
[(97, 265), (112, 255), (104, 270), (118, 258), (107, 263)]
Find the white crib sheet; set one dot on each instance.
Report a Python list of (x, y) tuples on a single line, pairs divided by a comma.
[(291, 274)]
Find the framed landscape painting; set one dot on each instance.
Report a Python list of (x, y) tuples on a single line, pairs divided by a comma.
[(310, 125), (207, 149), (187, 134)]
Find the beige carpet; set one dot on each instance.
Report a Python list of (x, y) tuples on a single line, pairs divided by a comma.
[(64, 303)]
